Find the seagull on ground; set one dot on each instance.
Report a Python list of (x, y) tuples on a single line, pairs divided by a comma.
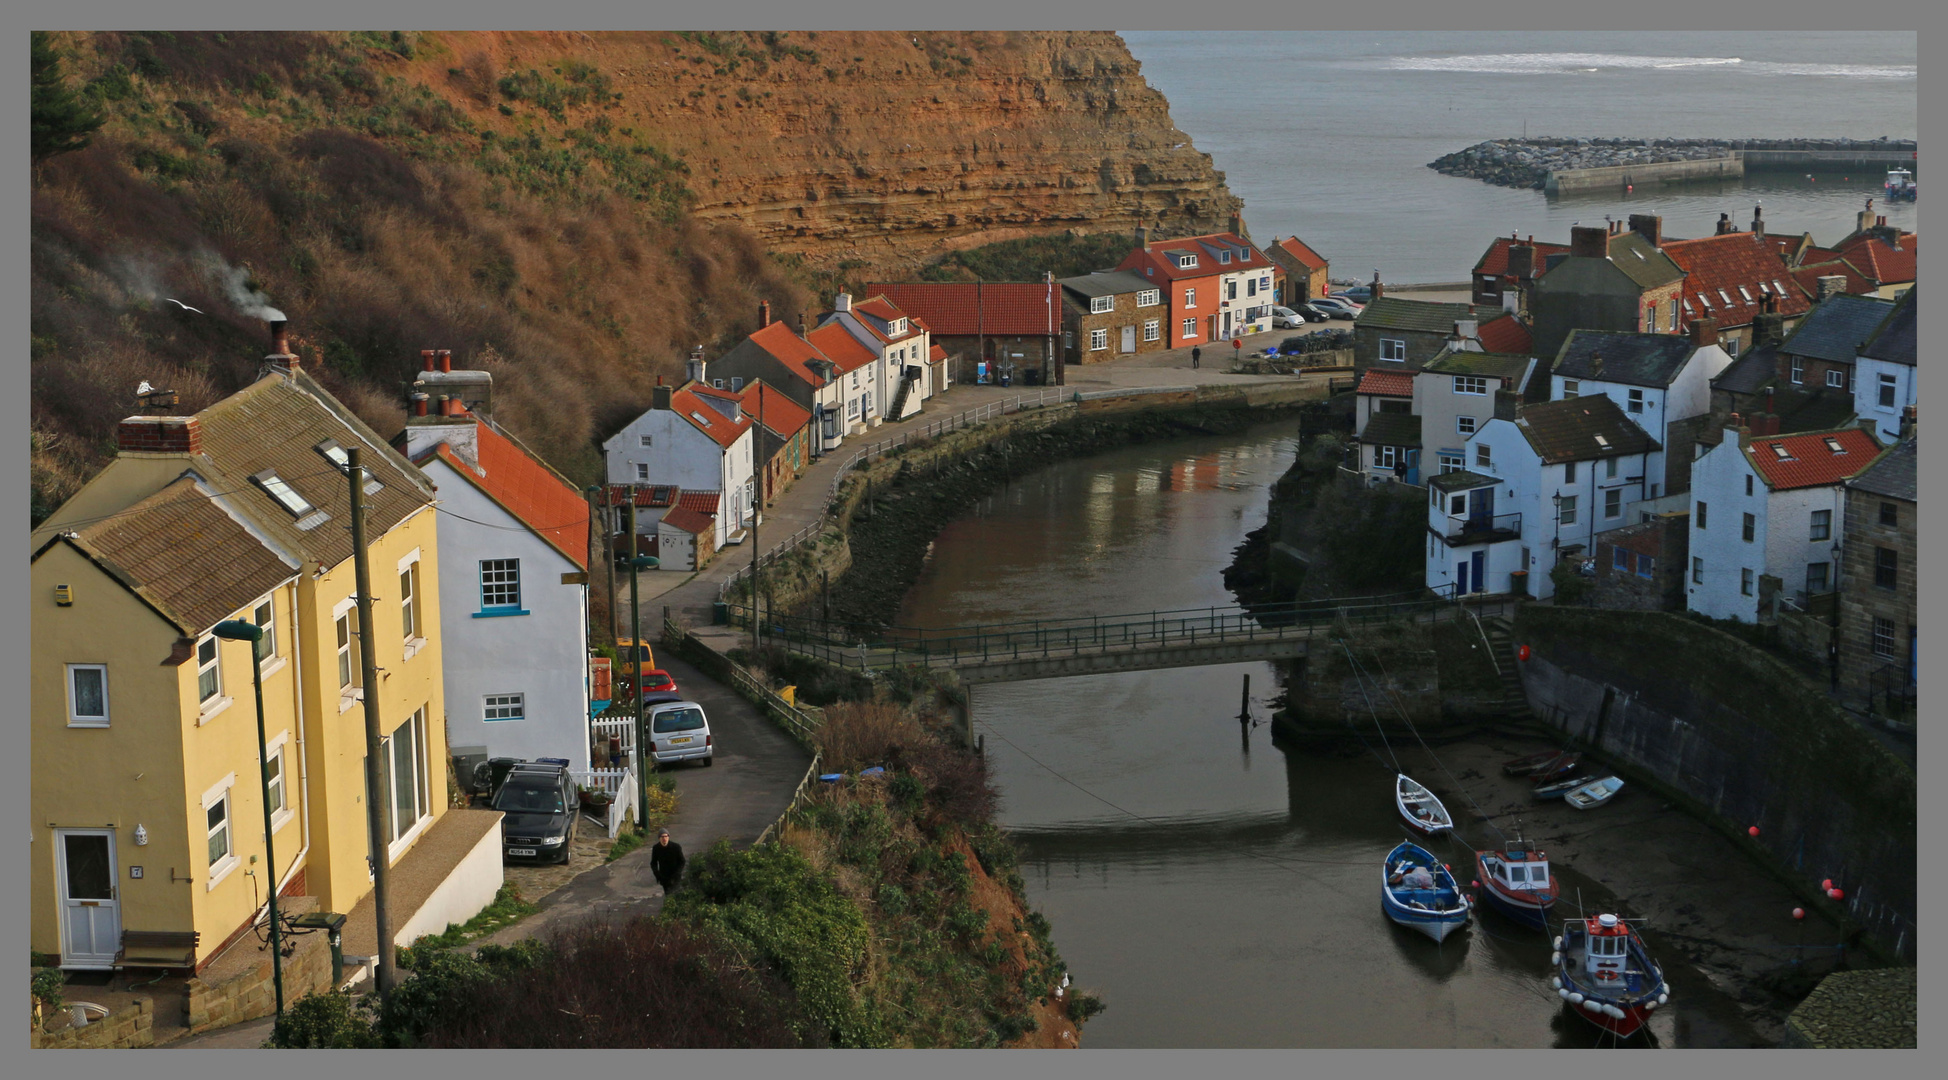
[(182, 305)]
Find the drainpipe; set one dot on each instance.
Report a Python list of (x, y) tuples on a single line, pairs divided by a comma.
[(304, 772)]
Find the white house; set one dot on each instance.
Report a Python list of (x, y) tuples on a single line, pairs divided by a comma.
[(907, 375), (1656, 379), (1454, 394), (1769, 506), (797, 368), (1245, 295), (1883, 376), (1388, 432), (693, 438), (1563, 471), (514, 541)]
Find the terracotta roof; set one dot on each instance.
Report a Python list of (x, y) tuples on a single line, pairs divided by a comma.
[(877, 313), (1836, 328), (1495, 260), (794, 352), (184, 554), (1159, 255), (1893, 339), (967, 308), (1299, 250), (645, 495), (1718, 267), (703, 502), (1582, 429), (1807, 278), (1810, 459), (936, 354), (1891, 474), (839, 346), (1391, 429), (1506, 334), (1817, 254), (690, 521), (1390, 383), (1633, 359), (1881, 261), (525, 487), (781, 415), (705, 418)]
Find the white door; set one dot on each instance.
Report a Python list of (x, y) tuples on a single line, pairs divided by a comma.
[(91, 916), (1129, 339)]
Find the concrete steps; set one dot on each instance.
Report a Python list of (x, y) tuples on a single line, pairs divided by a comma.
[(1515, 702)]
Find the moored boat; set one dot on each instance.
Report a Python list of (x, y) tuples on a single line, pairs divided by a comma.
[(1900, 184), (1593, 795), (1563, 765), (1417, 891), (1419, 807), (1559, 788), (1516, 882), (1526, 766), (1604, 972)]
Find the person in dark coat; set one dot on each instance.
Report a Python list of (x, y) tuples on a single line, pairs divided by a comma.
[(1196, 355), (666, 861)]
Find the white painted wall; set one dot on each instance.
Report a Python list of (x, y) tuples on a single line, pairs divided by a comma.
[(681, 455), (1786, 526), (1718, 481), (1444, 560), (1688, 395), (468, 889), (1866, 395), (678, 548), (542, 655)]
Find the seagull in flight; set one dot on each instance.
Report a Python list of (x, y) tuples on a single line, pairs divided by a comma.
[(182, 305), (145, 388)]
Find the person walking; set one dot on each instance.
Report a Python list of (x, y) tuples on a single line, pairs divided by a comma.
[(1196, 356), (666, 861)]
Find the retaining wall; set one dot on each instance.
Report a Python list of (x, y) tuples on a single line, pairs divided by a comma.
[(250, 993), (1614, 177), (133, 1025)]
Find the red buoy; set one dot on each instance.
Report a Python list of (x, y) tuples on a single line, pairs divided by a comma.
[(1799, 913), (1754, 830), (1827, 884), (1522, 653), (1836, 894)]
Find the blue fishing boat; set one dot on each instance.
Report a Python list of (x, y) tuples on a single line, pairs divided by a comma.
[(1418, 892), (1604, 972), (1516, 882)]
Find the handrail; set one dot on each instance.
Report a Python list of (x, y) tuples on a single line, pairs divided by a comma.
[(797, 796), (1484, 639)]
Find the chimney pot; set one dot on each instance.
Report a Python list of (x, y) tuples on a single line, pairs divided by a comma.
[(426, 359), (446, 359), (419, 404)]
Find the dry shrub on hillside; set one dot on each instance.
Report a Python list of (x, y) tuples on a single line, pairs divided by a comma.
[(956, 779), (860, 734)]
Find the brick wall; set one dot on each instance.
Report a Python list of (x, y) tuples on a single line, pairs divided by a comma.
[(1666, 541), (160, 435), (133, 1026)]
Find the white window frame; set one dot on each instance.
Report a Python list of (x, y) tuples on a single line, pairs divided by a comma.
[(500, 566), (1190, 299), (76, 719), (1453, 462), (213, 667), (1890, 388), (344, 617), (1876, 638), (1393, 349), (1633, 400), (1798, 370), (510, 707), (642, 472), (1470, 384), (1566, 512), (644, 442), (1571, 388), (1190, 328), (1386, 457), (412, 605), (274, 751), (1697, 570), (1153, 330), (1101, 305), (1149, 298), (1483, 456), (1745, 581), (1836, 379), (1825, 577), (1612, 503), (402, 833), (1465, 425), (1185, 262), (222, 866), (1098, 340)]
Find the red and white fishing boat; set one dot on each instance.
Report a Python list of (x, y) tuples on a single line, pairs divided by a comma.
[(1516, 882), (1605, 973)]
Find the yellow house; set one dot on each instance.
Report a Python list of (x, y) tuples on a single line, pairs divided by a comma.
[(148, 809)]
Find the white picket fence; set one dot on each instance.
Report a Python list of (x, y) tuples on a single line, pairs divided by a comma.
[(623, 728), (620, 785)]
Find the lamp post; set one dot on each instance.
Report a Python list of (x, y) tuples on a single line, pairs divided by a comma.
[(1833, 636), (636, 563), (239, 630)]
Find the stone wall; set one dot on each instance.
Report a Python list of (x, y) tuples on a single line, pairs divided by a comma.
[(133, 1026), (249, 994), (1857, 1009), (1615, 177), (1730, 732)]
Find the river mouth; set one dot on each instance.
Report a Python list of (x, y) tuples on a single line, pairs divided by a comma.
[(1219, 890)]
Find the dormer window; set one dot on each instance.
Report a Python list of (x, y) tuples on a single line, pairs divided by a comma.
[(1224, 256), (1185, 262), (898, 327), (1100, 304)]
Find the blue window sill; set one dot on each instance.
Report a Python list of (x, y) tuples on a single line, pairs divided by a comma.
[(495, 613)]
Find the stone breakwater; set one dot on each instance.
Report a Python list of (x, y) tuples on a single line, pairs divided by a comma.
[(1527, 163)]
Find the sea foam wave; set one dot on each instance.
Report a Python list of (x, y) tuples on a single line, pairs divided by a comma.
[(1555, 63)]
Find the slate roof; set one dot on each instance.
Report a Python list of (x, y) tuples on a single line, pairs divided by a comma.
[(523, 485), (1749, 372), (1644, 263), (794, 352), (1300, 251), (1106, 283), (968, 308), (1391, 429), (1459, 480), (1426, 316), (1506, 334), (1836, 328), (1893, 340), (1891, 474), (1158, 256), (184, 554), (1495, 260), (780, 415), (1498, 365), (1717, 268), (1885, 263), (1632, 359), (1810, 459), (1581, 429), (1388, 383)]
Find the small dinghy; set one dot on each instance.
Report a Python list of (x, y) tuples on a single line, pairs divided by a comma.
[(1526, 766), (1560, 788), (1516, 882), (1419, 892), (1605, 973), (1422, 811), (1562, 767), (1590, 796)]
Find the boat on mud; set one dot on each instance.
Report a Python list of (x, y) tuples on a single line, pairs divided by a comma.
[(1557, 789), (1419, 892), (1526, 766), (1419, 807), (1604, 972), (1560, 767), (1516, 882), (1590, 796)]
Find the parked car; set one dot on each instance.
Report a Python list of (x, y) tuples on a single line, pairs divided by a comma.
[(679, 731), (656, 680), (630, 654), (1284, 318), (541, 804), (1359, 294), (1315, 313), (1336, 307)]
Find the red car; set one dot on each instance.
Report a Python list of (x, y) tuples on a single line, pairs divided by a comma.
[(655, 680)]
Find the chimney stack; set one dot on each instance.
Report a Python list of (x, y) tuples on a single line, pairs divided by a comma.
[(1507, 405), (1768, 327), (160, 435), (1758, 221), (446, 359), (696, 367), (1596, 365), (280, 358), (801, 324), (842, 302), (1376, 289), (1521, 262), (1725, 225), (1589, 241), (1909, 421), (1238, 225), (764, 314), (1830, 285), (1704, 332), (1467, 329), (1648, 226), (1142, 237)]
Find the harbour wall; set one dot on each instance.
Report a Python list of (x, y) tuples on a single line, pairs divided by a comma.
[(1705, 720), (1613, 177)]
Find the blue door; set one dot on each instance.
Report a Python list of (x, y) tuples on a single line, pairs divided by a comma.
[(1413, 466), (1475, 560), (1460, 579)]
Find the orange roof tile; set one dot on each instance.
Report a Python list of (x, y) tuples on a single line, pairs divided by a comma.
[(1881, 261), (1506, 334), (690, 521), (936, 354), (645, 495), (1495, 259), (839, 346), (1157, 256), (783, 416), (967, 308), (703, 502), (705, 418), (1307, 257), (1717, 267), (1809, 458), (1807, 277), (1390, 383), (794, 352), (521, 484)]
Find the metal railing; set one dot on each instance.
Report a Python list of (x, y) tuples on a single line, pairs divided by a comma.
[(935, 428), (892, 647), (797, 796), (1462, 527), (782, 549)]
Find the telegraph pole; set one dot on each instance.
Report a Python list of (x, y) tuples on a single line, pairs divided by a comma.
[(636, 676), (609, 556), (378, 807), (757, 485)]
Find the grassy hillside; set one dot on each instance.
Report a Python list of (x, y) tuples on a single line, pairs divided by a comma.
[(350, 181)]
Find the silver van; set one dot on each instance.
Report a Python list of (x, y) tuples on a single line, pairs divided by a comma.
[(679, 731)]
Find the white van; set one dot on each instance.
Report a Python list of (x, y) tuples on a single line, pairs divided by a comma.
[(679, 731)]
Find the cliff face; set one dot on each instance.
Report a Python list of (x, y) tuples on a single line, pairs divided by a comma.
[(892, 147)]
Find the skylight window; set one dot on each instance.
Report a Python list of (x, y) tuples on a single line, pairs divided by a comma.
[(1778, 288), (1726, 297), (1833, 444), (286, 495), (335, 454), (1779, 452), (1687, 308), (699, 418), (1743, 293), (1602, 442), (1705, 300), (1762, 288)]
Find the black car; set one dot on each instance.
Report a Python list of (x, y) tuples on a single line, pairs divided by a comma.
[(541, 804)]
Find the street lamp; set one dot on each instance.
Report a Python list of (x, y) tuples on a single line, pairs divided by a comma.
[(636, 563), (239, 630), (1833, 633)]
